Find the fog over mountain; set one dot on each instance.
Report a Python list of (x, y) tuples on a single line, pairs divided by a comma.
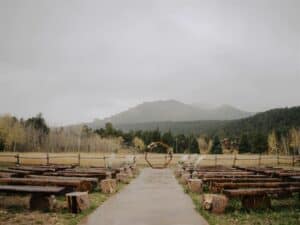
[(171, 110)]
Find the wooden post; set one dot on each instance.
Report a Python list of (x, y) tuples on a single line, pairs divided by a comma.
[(234, 159), (278, 159), (293, 159), (17, 159), (48, 159), (104, 160), (216, 160), (78, 159), (259, 160)]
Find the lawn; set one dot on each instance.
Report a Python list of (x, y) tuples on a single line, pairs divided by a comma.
[(282, 212), (14, 210)]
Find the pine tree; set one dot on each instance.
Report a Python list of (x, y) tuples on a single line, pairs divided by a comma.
[(216, 146), (244, 145)]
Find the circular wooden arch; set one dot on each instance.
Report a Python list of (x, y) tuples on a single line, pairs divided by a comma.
[(168, 156)]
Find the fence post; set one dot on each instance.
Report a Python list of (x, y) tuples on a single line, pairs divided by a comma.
[(48, 159), (278, 159), (234, 160), (293, 160), (17, 159), (216, 160), (259, 160), (78, 159), (104, 160)]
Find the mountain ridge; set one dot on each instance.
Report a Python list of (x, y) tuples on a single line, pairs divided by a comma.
[(171, 111)]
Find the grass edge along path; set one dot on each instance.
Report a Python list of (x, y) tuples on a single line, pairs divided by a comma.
[(96, 200), (282, 212)]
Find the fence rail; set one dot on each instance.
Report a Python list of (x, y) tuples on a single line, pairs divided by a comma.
[(103, 159)]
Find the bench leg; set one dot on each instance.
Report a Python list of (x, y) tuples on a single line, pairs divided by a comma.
[(41, 202), (256, 202)]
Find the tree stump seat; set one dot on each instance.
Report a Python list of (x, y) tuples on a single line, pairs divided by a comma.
[(108, 186), (78, 201), (195, 185)]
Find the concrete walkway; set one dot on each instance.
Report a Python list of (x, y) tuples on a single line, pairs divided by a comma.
[(154, 198)]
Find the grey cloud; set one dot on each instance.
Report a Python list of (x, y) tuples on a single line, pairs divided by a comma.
[(77, 60)]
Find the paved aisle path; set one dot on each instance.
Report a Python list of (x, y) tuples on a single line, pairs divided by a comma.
[(153, 198)]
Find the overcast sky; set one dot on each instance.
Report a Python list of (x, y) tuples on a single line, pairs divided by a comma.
[(79, 60)]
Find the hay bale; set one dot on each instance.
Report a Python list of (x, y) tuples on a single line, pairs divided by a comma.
[(214, 203), (108, 186), (123, 177), (256, 202), (195, 185), (185, 177)]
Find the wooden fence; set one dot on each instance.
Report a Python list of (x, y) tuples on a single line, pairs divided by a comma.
[(100, 159)]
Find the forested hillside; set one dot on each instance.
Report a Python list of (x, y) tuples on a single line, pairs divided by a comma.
[(279, 120), (188, 127)]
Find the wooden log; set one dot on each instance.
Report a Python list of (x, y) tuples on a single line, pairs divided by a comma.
[(195, 185), (7, 175), (32, 189), (218, 187), (33, 169), (69, 174), (256, 202), (17, 172), (258, 191), (236, 176), (78, 201), (202, 174), (240, 180), (108, 186), (214, 203), (74, 184), (94, 181)]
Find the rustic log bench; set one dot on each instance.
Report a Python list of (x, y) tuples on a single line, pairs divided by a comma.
[(94, 181), (258, 197), (238, 173), (100, 176), (18, 173), (33, 169), (7, 174), (219, 187), (40, 198), (78, 185)]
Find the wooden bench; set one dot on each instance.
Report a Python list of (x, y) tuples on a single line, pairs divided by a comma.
[(219, 187), (241, 179), (33, 169), (40, 198), (7, 174), (258, 197), (78, 185), (18, 173), (94, 181), (101, 176), (202, 174)]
